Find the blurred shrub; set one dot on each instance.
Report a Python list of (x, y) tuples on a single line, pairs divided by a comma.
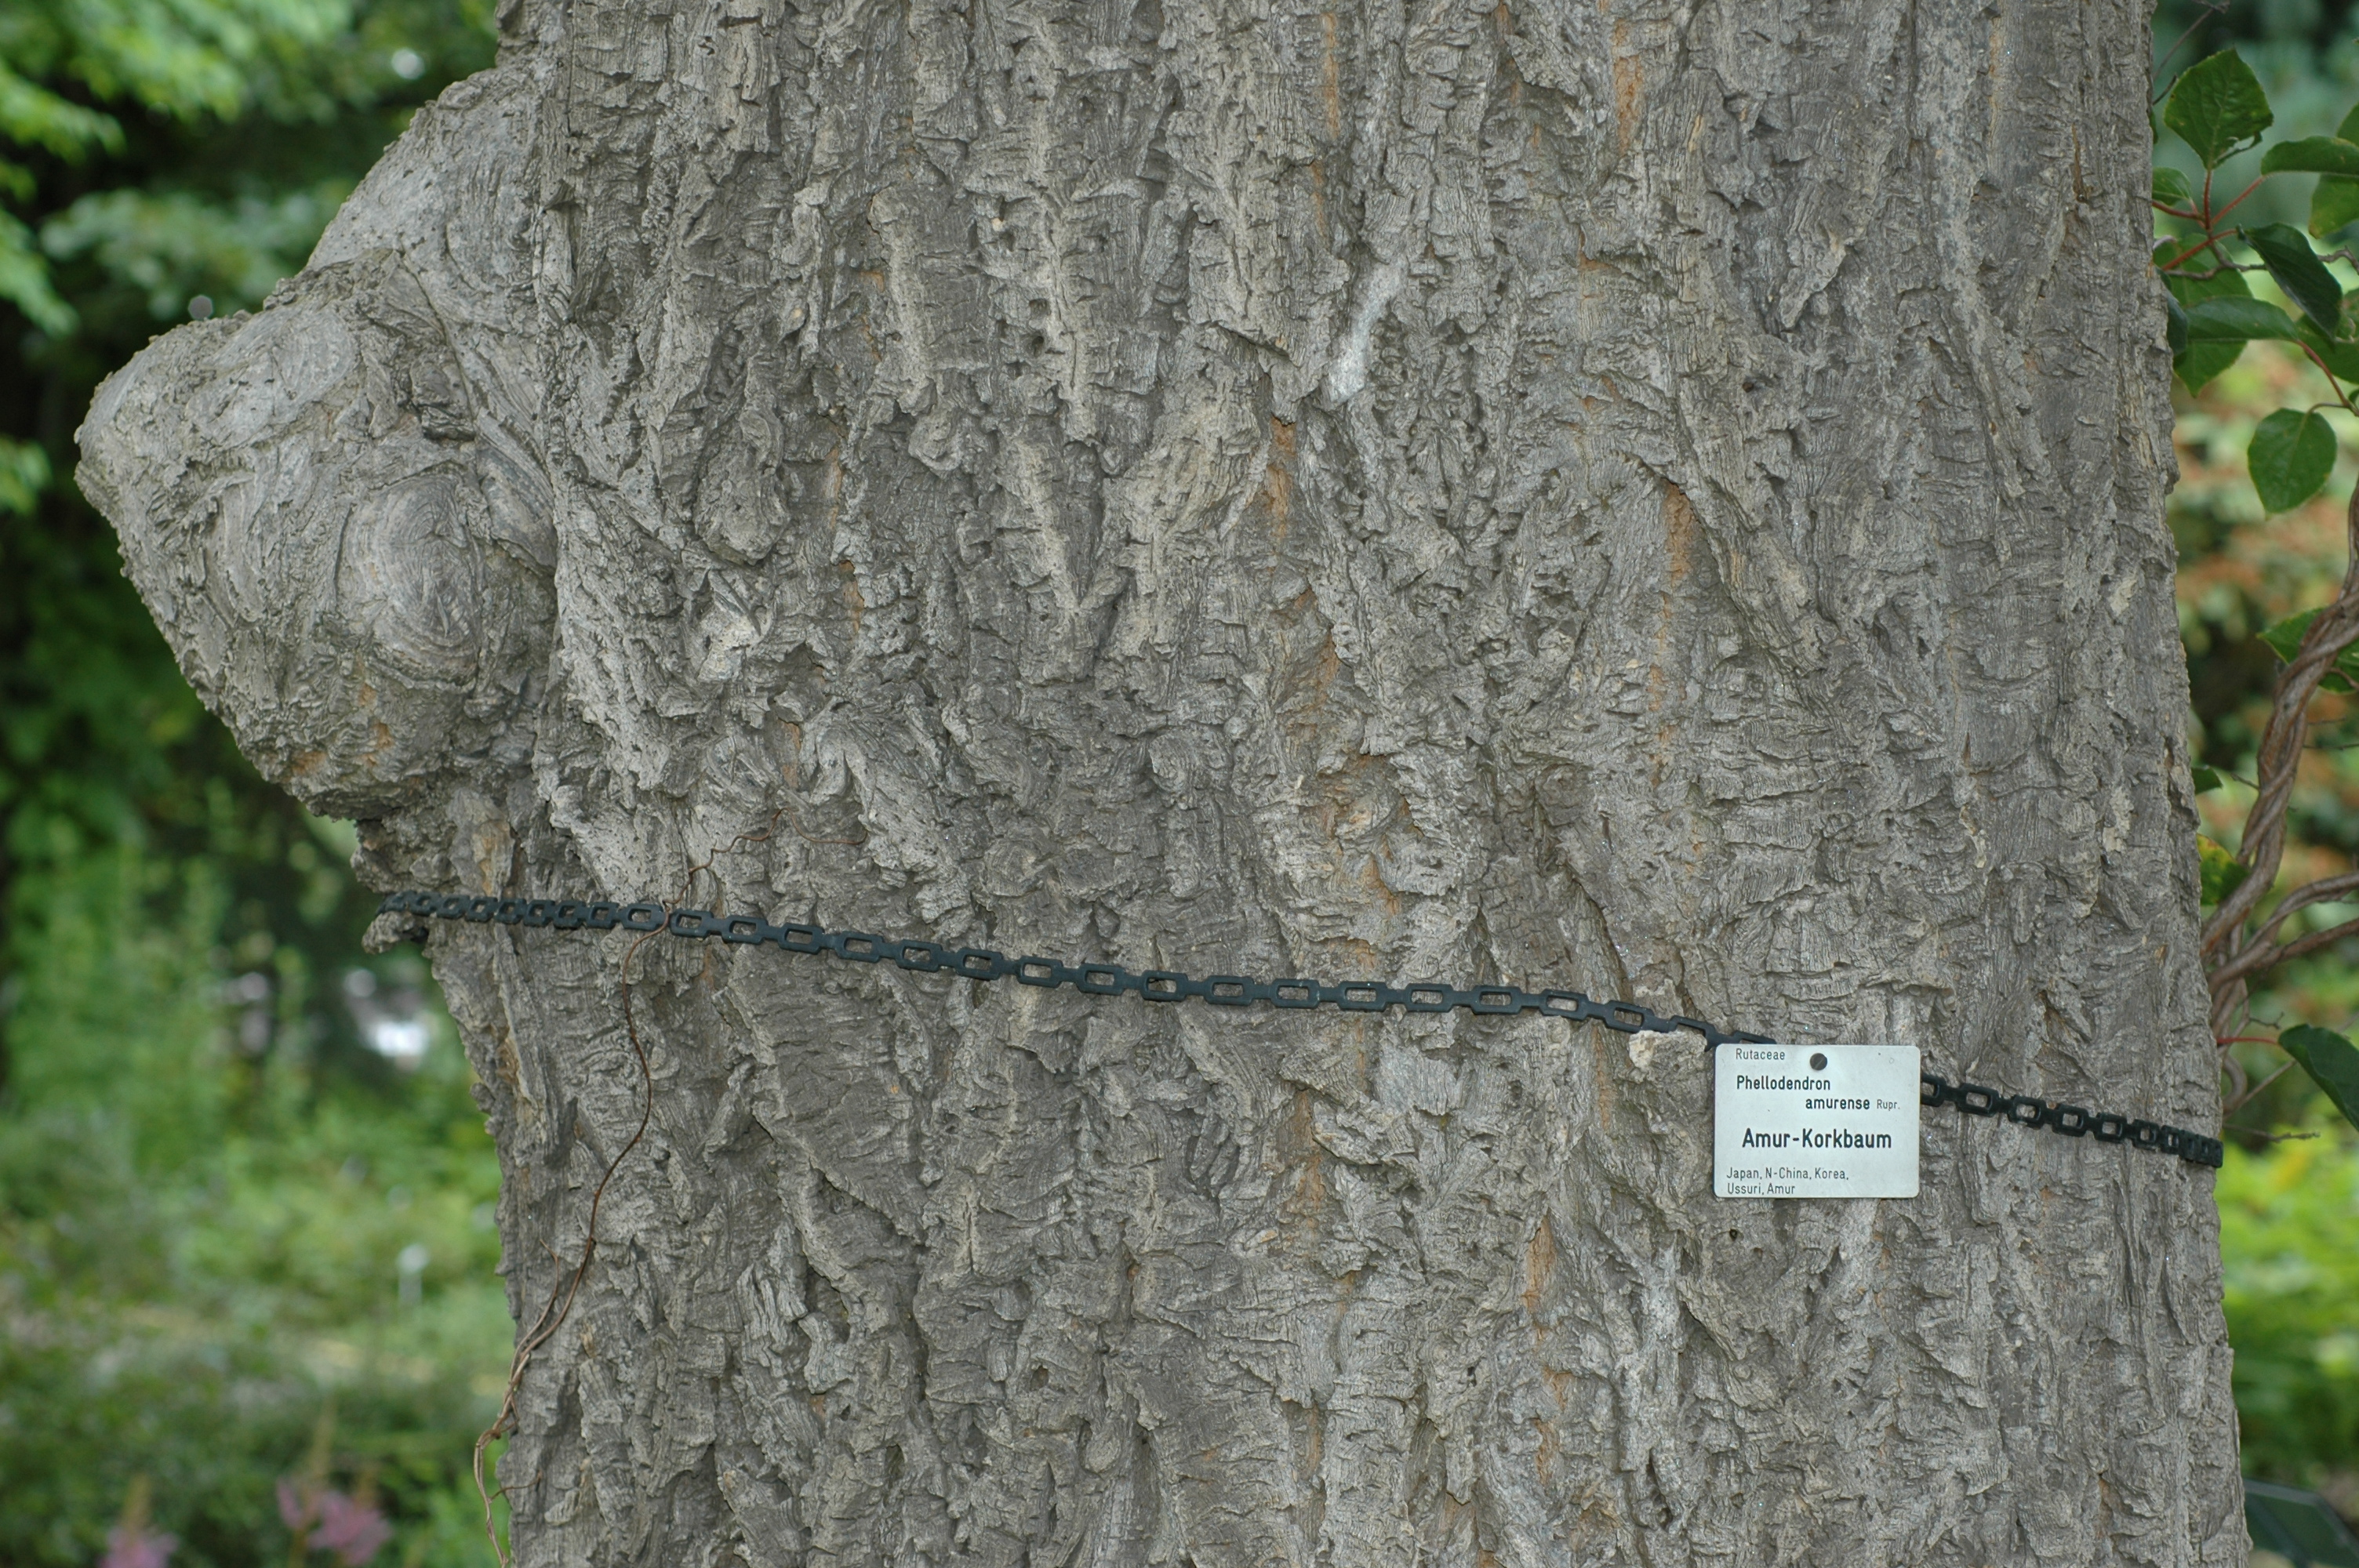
[(208, 1238), (2288, 1216), (238, 1247)]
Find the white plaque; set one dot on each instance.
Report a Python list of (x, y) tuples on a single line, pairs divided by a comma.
[(1814, 1122)]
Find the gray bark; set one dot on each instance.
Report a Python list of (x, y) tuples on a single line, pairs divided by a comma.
[(1659, 499)]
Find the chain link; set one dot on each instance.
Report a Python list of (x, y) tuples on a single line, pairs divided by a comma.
[(1242, 991)]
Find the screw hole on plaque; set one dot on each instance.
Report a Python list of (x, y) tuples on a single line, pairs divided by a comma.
[(1818, 1061)]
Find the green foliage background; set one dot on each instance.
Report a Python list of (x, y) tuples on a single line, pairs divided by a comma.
[(206, 1180), (2289, 1206)]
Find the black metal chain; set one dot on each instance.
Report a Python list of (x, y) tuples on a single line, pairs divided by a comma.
[(1242, 991)]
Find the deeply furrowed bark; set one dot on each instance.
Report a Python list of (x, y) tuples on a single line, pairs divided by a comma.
[(1657, 499)]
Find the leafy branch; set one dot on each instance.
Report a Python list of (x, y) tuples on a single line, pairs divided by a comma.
[(2219, 109)]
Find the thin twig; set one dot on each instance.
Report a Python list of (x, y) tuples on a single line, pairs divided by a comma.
[(2238, 1078), (2207, 243), (546, 1325), (2269, 1137), (795, 821), (2342, 398), (2249, 1095), (2325, 890), (2239, 201), (560, 1305), (2302, 948), (2212, 9)]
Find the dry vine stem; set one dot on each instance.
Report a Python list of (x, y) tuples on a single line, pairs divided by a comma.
[(560, 1305), (2233, 955)]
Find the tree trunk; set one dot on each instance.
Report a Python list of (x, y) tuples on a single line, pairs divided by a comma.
[(1662, 500)]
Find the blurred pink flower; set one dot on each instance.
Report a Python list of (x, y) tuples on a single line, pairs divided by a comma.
[(298, 1509), (129, 1546), (353, 1531)]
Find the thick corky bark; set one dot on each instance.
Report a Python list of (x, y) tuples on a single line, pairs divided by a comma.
[(1657, 499)]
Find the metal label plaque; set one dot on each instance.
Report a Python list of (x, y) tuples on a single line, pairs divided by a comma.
[(1814, 1122)]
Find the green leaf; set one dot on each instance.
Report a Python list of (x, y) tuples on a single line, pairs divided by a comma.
[(2285, 637), (33, 117), (25, 280), (24, 474), (2340, 358), (2291, 455), (2284, 640), (172, 245), (2206, 779), (2174, 327), (2217, 107), (2172, 187), (2334, 203), (2231, 319), (2221, 871), (2332, 1062), (2348, 129), (2199, 363), (2312, 155), (2284, 251)]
